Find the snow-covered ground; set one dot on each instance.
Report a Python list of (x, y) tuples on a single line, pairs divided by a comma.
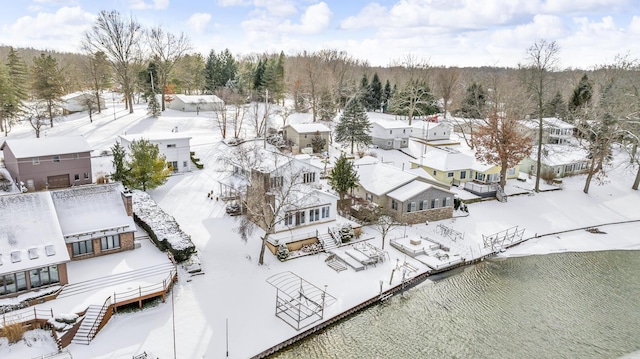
[(234, 288)]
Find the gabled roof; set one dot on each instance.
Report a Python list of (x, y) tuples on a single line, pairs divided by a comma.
[(47, 146), (555, 155), (75, 95), (309, 127), (445, 159), (547, 122), (389, 124), (85, 211), (29, 221), (409, 190), (380, 178), (155, 136), (196, 99)]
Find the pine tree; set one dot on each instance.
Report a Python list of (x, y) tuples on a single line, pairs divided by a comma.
[(211, 69), (581, 95), (119, 164), (48, 83), (147, 169), (386, 96), (7, 101), (556, 107), (149, 80), (375, 93), (343, 177), (258, 75), (353, 126), (474, 102)]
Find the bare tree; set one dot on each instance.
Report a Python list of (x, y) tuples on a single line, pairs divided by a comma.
[(499, 139), (167, 48), (92, 105), (37, 116), (97, 75), (119, 39), (542, 59), (446, 81), (382, 220), (274, 194)]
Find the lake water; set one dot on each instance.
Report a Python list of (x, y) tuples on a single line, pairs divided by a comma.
[(570, 305)]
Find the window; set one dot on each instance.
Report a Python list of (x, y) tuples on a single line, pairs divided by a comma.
[(435, 203), (404, 131), (44, 276), (76, 177), (300, 218), (424, 204), (325, 212), (275, 182), (447, 202), (308, 177), (86, 175), (172, 145), (12, 283), (435, 173), (184, 164), (391, 132), (82, 247), (110, 242), (480, 176), (450, 174), (511, 171), (56, 158), (314, 215), (305, 135), (413, 206), (394, 204), (76, 156), (35, 161), (463, 174), (288, 219), (369, 197)]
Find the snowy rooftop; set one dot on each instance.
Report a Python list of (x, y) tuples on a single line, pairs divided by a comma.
[(29, 221), (47, 146), (86, 210), (196, 99), (390, 124), (445, 159), (309, 127), (380, 178), (74, 95), (155, 136), (554, 155), (409, 190), (548, 122)]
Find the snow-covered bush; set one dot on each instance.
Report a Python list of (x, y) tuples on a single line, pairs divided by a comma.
[(162, 228), (346, 232), (283, 252)]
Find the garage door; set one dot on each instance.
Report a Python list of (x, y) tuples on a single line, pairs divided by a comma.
[(58, 181)]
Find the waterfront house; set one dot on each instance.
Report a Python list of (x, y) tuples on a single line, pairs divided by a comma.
[(49, 162), (408, 195)]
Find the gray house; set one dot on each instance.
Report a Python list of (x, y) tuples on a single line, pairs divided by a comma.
[(50, 162)]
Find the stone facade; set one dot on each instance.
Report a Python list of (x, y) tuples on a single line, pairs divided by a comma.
[(435, 214)]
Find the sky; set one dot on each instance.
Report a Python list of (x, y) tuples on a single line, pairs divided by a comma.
[(383, 32)]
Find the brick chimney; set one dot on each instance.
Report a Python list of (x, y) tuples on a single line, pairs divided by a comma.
[(127, 198)]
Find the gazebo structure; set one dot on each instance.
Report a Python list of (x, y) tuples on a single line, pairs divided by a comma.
[(298, 302)]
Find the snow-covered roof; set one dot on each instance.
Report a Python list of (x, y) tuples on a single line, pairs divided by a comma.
[(73, 95), (309, 127), (381, 178), (196, 99), (155, 136), (390, 124), (46, 146), (548, 122), (421, 172), (30, 229), (556, 155), (366, 160), (85, 211), (409, 190), (445, 159)]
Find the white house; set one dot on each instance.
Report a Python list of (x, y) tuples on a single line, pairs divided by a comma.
[(79, 101), (432, 132), (390, 134), (174, 147), (195, 103)]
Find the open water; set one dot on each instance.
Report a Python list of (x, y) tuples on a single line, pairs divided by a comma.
[(570, 305)]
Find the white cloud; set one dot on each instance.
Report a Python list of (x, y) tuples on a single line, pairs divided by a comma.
[(279, 8), (198, 21), (227, 3), (315, 19), (154, 4), (61, 30)]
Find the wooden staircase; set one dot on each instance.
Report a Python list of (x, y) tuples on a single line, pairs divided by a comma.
[(327, 241), (92, 322)]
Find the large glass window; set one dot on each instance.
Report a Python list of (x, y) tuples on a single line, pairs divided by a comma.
[(325, 212), (34, 277), (110, 242), (82, 247)]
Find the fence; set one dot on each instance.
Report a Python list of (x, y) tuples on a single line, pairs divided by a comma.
[(26, 316)]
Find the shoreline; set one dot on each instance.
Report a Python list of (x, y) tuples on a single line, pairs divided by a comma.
[(413, 282)]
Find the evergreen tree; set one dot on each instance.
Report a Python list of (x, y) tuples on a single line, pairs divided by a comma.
[(119, 164), (7, 101), (48, 83), (474, 102), (149, 80), (147, 168), (375, 93), (228, 69), (327, 107), (581, 95), (15, 92), (353, 126), (343, 177), (386, 96), (211, 70), (556, 107)]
